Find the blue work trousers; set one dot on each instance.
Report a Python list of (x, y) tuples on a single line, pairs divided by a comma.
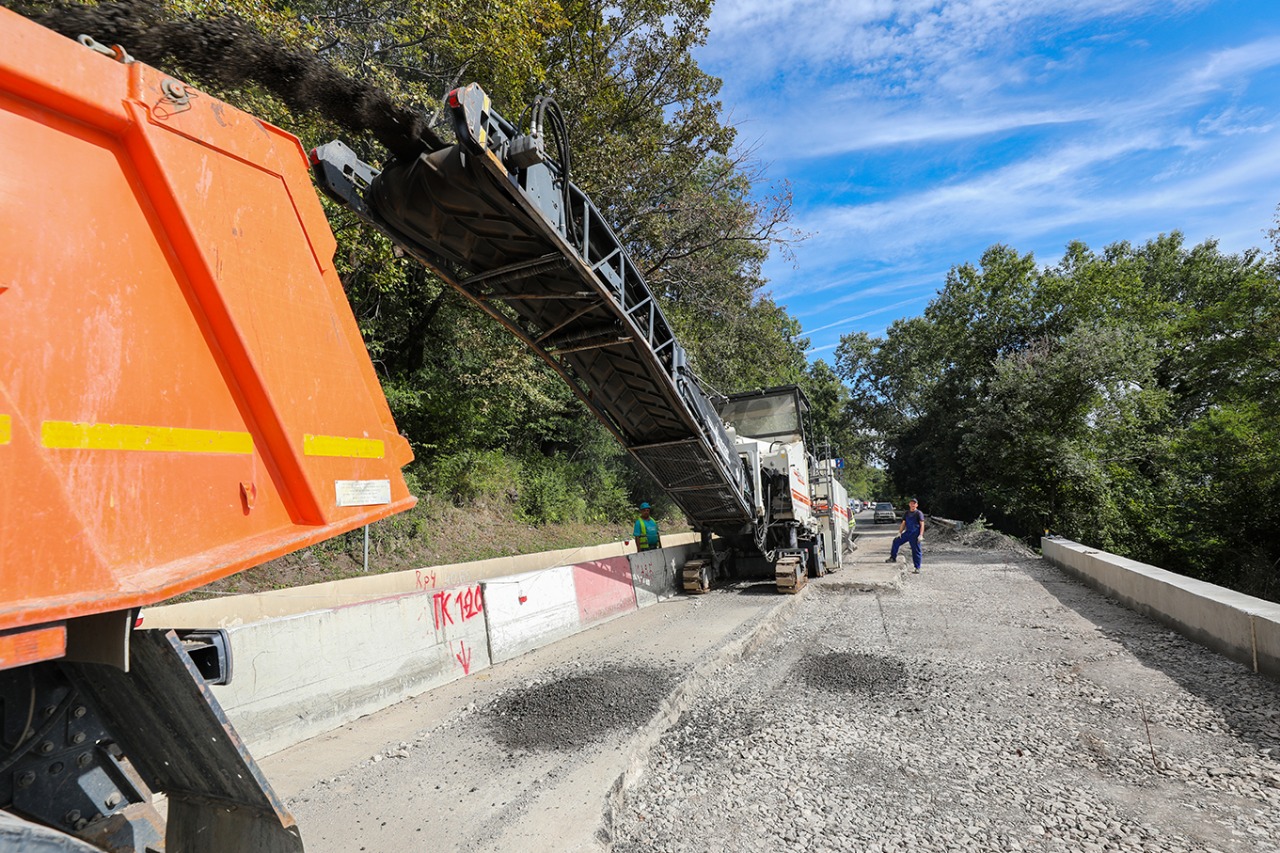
[(916, 552)]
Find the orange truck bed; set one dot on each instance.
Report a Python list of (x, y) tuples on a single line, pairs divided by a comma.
[(184, 392)]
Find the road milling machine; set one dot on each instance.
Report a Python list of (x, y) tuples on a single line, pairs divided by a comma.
[(494, 212), (184, 394)]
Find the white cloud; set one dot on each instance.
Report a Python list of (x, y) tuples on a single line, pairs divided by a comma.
[(1047, 200), (932, 41), (845, 321), (917, 133), (1227, 68), (1233, 122), (908, 127)]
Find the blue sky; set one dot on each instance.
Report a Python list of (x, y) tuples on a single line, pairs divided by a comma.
[(914, 134)]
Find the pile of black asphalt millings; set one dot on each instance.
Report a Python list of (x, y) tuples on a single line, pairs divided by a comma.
[(852, 672), (230, 52), (570, 712)]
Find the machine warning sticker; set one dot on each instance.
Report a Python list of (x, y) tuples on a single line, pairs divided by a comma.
[(363, 492)]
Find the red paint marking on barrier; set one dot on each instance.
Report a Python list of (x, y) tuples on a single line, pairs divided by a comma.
[(464, 658), (424, 580), (465, 604), (440, 604), (470, 602), (643, 568), (603, 588)]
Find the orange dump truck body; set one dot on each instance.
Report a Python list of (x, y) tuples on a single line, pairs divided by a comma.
[(184, 392)]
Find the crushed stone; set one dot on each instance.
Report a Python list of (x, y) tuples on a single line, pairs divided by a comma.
[(852, 672), (566, 712)]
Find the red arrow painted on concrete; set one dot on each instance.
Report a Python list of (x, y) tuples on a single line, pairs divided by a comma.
[(464, 658)]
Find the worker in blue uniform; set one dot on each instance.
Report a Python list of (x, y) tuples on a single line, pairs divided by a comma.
[(909, 533), (646, 530)]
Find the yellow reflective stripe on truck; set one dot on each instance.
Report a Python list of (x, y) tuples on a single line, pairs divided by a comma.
[(66, 435), (6, 428), (338, 445)]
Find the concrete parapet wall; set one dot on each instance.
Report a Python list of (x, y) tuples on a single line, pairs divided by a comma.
[(1241, 627), (310, 659), (216, 613)]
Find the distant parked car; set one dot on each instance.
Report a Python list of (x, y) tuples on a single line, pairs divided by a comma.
[(884, 512)]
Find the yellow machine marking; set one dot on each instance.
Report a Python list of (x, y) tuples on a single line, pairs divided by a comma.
[(338, 445), (6, 428), (65, 435)]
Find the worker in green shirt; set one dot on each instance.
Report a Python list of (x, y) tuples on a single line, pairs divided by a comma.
[(646, 531)]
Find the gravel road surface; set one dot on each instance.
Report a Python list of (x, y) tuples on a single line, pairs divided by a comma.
[(989, 703)]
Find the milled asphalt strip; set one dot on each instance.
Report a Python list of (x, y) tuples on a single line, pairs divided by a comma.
[(450, 785), (681, 697)]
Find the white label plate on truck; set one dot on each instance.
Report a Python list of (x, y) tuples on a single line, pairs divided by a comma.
[(363, 492)]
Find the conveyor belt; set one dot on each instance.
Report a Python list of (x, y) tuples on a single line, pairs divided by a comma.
[(568, 289)]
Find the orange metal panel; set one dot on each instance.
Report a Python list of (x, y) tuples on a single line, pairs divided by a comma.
[(176, 344), (32, 645)]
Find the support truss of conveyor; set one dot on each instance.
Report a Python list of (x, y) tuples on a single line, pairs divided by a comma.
[(492, 215)]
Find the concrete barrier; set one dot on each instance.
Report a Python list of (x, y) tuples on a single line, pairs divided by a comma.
[(530, 610), (216, 613), (655, 574), (1241, 627), (302, 675), (309, 659), (603, 589)]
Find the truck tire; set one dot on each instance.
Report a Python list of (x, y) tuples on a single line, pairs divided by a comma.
[(22, 836), (816, 565)]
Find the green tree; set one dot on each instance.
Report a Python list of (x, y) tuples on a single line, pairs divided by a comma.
[(1126, 398)]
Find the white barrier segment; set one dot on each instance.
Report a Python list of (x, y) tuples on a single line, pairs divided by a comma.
[(1239, 626), (527, 611), (655, 574), (303, 675)]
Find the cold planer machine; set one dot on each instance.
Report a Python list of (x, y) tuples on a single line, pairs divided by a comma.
[(497, 217)]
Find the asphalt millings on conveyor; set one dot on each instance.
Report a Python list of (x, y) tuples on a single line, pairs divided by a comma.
[(231, 52), (568, 711)]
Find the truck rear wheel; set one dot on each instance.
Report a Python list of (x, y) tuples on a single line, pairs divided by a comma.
[(19, 834)]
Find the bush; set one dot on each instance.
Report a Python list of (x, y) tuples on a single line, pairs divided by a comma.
[(474, 476), (551, 492)]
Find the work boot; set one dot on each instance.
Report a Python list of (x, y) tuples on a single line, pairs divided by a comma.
[(890, 560)]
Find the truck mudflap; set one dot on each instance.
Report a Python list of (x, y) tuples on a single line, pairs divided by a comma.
[(176, 735)]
